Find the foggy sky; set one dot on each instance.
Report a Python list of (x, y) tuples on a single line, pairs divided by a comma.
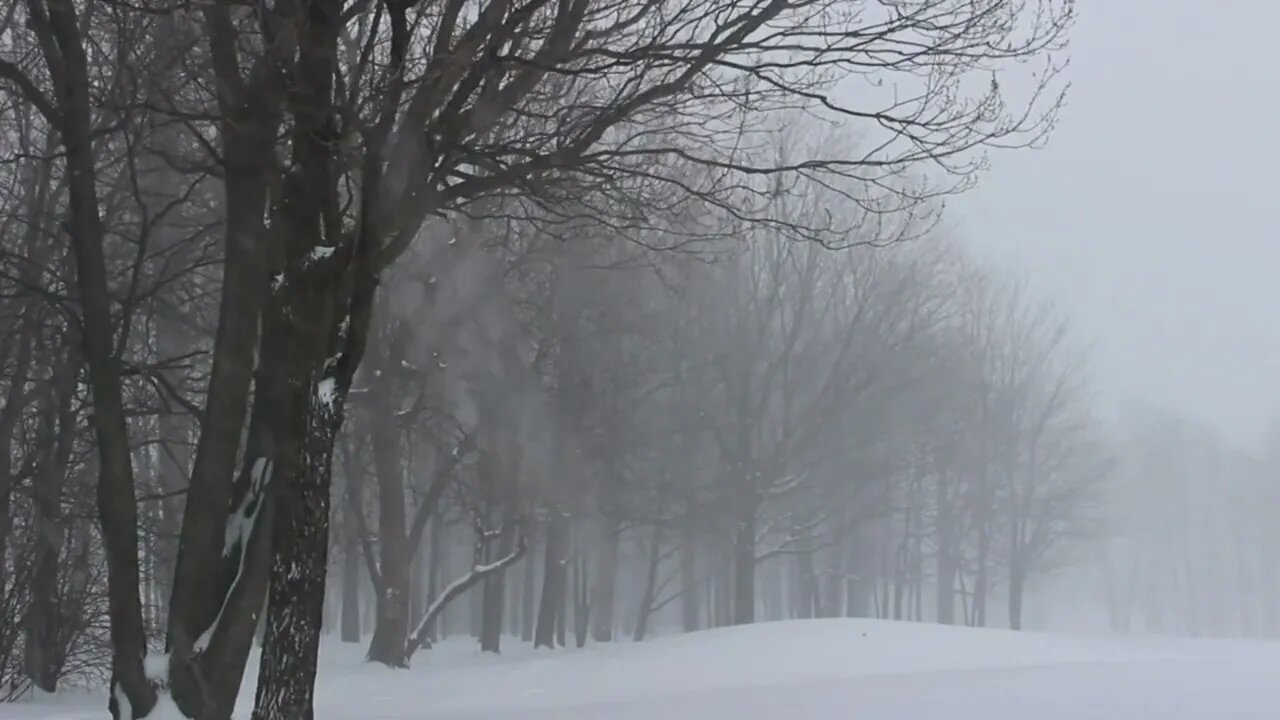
[(1151, 217)]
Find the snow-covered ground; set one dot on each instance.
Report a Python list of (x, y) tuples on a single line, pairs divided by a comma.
[(856, 669)]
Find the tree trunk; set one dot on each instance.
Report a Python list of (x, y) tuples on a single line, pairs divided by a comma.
[(131, 692), (604, 591), (744, 566), (581, 603), (806, 584), (562, 612), (555, 576), (528, 603), (304, 422), (45, 640), (493, 600), (650, 585), (391, 621), (946, 554), (437, 558), (689, 586), (217, 587), (174, 460), (1017, 585), (36, 250), (350, 587)]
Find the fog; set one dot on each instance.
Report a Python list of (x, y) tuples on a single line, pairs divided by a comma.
[(353, 344), (1147, 215)]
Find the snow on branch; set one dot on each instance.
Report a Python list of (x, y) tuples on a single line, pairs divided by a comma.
[(478, 572)]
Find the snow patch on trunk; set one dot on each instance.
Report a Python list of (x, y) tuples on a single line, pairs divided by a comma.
[(239, 529), (124, 708), (326, 392)]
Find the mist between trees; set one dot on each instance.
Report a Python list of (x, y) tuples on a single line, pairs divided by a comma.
[(550, 322)]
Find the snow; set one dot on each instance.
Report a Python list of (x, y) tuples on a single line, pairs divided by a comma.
[(156, 667), (326, 391), (320, 252), (123, 707), (807, 670), (240, 523)]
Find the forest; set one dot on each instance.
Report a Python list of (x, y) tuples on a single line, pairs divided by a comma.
[(550, 322)]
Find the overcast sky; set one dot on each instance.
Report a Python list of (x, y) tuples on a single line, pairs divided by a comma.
[(1152, 216)]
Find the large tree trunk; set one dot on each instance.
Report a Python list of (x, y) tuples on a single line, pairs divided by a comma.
[(555, 576), (117, 508), (217, 585), (307, 412), (295, 608), (220, 573)]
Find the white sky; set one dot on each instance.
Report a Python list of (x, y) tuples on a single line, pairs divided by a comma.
[(1152, 215)]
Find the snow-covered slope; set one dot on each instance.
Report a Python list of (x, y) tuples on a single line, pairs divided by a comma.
[(858, 669)]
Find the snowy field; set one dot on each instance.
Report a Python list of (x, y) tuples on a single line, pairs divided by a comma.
[(856, 669)]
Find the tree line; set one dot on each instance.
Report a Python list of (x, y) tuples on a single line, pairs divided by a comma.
[(497, 288)]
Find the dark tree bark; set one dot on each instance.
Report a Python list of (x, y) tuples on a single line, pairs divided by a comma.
[(494, 589), (221, 569), (391, 618), (58, 26)]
